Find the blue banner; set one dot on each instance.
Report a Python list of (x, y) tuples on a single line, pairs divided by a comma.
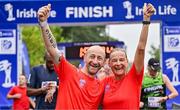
[(170, 58), (8, 61), (87, 11)]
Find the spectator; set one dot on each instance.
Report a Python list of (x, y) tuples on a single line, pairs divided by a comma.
[(43, 84), (19, 96)]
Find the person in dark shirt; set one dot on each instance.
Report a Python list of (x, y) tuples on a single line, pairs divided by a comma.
[(43, 84)]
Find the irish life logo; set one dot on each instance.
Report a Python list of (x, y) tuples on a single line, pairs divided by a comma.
[(135, 11), (24, 13), (128, 5), (9, 8)]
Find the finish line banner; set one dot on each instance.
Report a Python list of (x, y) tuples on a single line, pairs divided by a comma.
[(80, 11)]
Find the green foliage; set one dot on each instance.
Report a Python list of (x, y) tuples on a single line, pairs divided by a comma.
[(155, 52), (86, 34), (31, 35)]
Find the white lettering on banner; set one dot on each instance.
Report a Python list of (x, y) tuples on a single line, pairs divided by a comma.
[(31, 13), (23, 13), (167, 10), (160, 10), (89, 12)]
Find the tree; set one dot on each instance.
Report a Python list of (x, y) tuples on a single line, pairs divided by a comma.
[(31, 35), (86, 34), (155, 52)]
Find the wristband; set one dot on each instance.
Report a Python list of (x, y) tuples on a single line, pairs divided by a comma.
[(43, 24), (146, 22)]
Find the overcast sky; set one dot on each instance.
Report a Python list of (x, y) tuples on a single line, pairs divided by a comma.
[(129, 33)]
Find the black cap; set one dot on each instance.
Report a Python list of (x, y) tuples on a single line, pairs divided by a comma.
[(154, 64)]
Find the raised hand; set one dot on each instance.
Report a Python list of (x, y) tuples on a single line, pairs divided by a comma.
[(148, 10), (43, 12)]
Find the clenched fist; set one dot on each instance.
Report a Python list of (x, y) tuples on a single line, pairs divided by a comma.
[(43, 12), (148, 10)]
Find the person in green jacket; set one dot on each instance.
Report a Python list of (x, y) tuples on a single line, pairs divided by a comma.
[(153, 94)]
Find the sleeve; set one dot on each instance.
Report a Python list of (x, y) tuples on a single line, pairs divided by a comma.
[(11, 91), (65, 70), (135, 75), (33, 78)]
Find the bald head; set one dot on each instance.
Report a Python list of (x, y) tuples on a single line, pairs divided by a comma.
[(96, 49), (94, 59)]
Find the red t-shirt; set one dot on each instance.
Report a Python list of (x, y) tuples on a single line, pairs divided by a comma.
[(124, 93), (77, 90), (23, 102)]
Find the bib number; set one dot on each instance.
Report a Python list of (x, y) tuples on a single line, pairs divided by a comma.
[(153, 102)]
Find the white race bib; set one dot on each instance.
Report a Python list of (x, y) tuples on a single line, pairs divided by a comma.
[(153, 102), (49, 83)]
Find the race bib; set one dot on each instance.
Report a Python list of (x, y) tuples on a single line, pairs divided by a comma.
[(153, 102), (48, 84)]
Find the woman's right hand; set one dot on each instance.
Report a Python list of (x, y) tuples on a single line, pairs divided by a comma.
[(43, 13)]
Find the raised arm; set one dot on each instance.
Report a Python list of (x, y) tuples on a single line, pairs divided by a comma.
[(148, 10), (49, 40)]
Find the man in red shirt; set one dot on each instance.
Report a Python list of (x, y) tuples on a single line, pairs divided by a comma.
[(79, 88), (122, 91), (18, 94)]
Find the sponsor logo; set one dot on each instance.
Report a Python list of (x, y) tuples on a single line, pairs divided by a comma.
[(9, 8), (171, 43), (173, 64), (138, 11), (128, 5), (154, 88), (23, 13), (82, 82), (7, 41), (6, 44), (6, 66)]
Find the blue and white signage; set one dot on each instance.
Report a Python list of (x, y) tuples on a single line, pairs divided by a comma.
[(81, 11), (7, 41), (170, 57), (8, 61)]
